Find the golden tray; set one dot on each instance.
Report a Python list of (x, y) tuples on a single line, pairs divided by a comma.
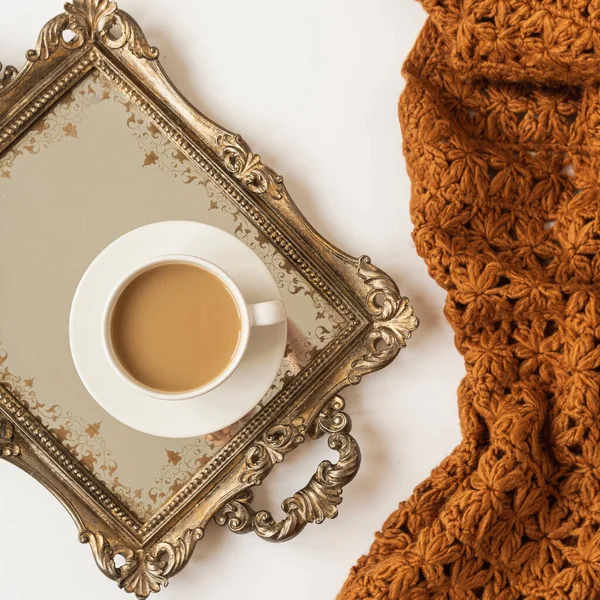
[(95, 141)]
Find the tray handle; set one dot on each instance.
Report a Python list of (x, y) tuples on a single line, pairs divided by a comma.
[(317, 500)]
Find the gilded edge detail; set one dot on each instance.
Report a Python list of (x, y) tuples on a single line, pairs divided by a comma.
[(248, 168), (82, 22), (271, 449), (394, 321), (7, 435), (7, 75), (145, 570), (316, 501), (88, 20)]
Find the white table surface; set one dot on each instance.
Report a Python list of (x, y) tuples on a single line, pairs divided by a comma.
[(313, 87)]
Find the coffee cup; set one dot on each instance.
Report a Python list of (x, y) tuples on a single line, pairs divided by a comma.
[(179, 295)]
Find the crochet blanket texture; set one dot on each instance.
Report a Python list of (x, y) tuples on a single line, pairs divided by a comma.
[(501, 125)]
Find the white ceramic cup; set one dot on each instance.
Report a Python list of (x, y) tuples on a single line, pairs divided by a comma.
[(261, 314)]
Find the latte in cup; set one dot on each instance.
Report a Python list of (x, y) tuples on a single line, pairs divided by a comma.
[(175, 327)]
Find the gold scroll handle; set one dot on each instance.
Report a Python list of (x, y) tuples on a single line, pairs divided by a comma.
[(317, 500)]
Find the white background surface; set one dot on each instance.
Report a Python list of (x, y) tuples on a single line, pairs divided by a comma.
[(313, 87)]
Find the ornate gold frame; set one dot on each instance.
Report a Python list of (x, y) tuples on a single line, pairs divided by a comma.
[(379, 319)]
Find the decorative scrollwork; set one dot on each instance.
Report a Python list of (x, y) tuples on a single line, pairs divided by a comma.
[(319, 499), (102, 552), (315, 502), (142, 574), (7, 74), (131, 35), (144, 571), (237, 513), (248, 168), (88, 20), (394, 321), (7, 435), (331, 419), (270, 450), (175, 556)]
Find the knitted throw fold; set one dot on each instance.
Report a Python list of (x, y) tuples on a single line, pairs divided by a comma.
[(501, 124)]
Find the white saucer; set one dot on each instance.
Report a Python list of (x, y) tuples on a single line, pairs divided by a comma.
[(168, 418)]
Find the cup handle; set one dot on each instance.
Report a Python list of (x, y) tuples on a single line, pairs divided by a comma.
[(267, 313)]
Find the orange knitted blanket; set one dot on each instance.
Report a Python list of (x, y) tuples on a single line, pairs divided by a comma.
[(501, 124)]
